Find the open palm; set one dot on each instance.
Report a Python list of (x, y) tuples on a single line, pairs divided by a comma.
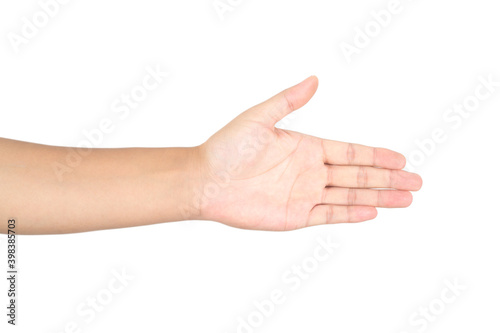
[(256, 176)]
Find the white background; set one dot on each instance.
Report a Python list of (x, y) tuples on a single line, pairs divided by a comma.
[(202, 276)]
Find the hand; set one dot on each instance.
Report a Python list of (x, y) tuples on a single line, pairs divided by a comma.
[(256, 176)]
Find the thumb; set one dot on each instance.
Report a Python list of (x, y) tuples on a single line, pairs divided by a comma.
[(287, 101)]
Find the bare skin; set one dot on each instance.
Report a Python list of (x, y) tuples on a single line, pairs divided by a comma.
[(248, 175)]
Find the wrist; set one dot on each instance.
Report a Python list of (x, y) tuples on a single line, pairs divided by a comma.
[(192, 185)]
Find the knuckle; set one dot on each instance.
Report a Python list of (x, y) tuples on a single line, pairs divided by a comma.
[(329, 214), (350, 154), (362, 178), (351, 196)]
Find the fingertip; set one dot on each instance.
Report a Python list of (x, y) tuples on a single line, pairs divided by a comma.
[(367, 213), (418, 182), (406, 200), (312, 83), (313, 78), (399, 160), (394, 198), (390, 159), (402, 161)]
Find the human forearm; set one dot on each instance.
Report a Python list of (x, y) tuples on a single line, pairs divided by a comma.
[(109, 188)]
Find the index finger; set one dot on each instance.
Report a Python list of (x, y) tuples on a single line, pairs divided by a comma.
[(343, 153)]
